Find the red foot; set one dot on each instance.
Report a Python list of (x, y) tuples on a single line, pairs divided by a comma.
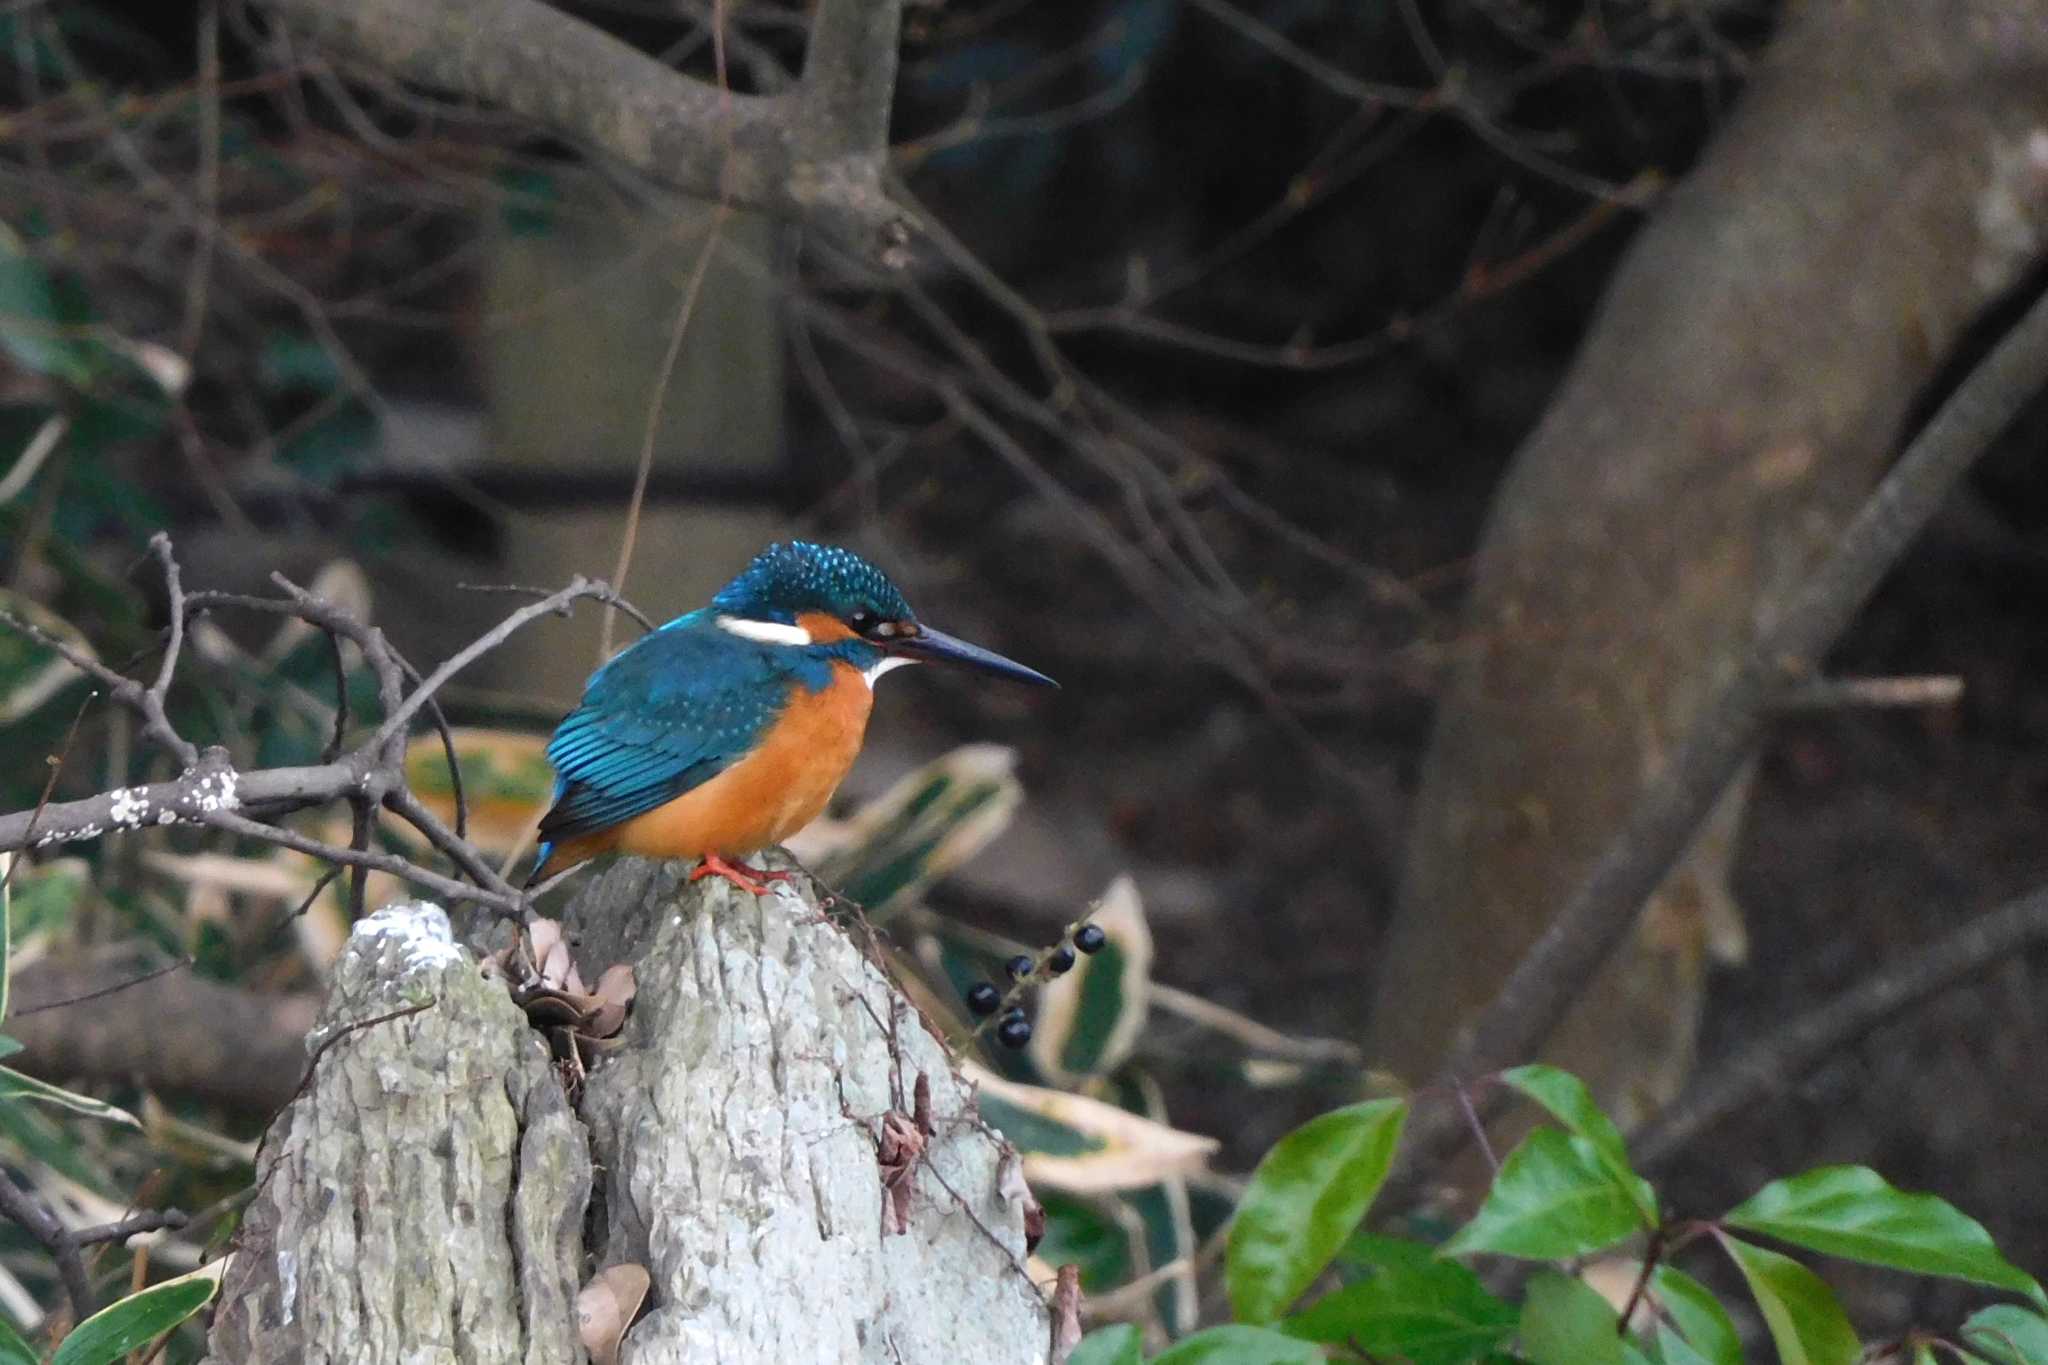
[(752, 880)]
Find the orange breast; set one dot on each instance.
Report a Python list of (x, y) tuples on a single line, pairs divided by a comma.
[(771, 793)]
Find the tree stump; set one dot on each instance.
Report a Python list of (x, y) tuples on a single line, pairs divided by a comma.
[(431, 1195)]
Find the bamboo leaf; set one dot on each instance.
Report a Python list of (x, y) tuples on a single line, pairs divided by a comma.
[(135, 1321), (16, 1086)]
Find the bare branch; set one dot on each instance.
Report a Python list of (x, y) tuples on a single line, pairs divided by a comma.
[(182, 800), (27, 1213), (849, 80), (1789, 1052), (761, 152)]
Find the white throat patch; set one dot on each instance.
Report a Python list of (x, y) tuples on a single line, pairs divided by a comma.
[(764, 632), (894, 661)]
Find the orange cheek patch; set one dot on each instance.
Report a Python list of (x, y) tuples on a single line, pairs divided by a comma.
[(823, 627)]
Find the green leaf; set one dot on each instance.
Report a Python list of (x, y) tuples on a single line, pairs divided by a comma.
[(135, 1321), (1416, 1307), (2009, 1334), (16, 1086), (1851, 1211), (1079, 1234), (1676, 1350), (14, 1348), (1304, 1199), (1122, 1344), (1553, 1199), (9, 1046), (1702, 1320), (1571, 1104), (1806, 1323), (1240, 1345), (1566, 1322)]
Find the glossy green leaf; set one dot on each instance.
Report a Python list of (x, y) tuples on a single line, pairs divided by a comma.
[(16, 1086), (1566, 1322), (2009, 1334), (1674, 1349), (1701, 1319), (1240, 1345), (1416, 1306), (1851, 1211), (14, 1348), (1121, 1344), (1806, 1322), (1571, 1104), (1553, 1199), (134, 1322), (1304, 1199)]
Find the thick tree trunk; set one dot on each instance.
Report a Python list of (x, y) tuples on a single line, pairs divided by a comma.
[(431, 1195), (1742, 388)]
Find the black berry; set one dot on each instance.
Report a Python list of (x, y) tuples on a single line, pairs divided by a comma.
[(1060, 960), (1018, 967), (1089, 938), (1014, 1031), (983, 998)]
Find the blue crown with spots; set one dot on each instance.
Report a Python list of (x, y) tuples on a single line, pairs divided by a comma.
[(786, 579)]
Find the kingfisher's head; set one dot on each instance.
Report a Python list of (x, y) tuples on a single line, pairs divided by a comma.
[(799, 594)]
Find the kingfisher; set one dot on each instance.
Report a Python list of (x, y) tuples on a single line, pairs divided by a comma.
[(728, 729)]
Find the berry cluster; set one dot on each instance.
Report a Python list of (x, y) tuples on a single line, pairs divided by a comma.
[(1012, 1026)]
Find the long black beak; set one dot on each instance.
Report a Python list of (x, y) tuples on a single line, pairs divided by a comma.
[(935, 646)]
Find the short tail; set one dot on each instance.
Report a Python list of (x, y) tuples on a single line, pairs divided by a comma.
[(540, 865)]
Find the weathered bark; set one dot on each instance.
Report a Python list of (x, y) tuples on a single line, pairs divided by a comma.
[(425, 1197), (1885, 176), (736, 1132)]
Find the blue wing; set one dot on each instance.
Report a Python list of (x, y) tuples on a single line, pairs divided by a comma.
[(670, 713)]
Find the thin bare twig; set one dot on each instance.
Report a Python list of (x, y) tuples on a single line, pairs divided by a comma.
[(1791, 1050)]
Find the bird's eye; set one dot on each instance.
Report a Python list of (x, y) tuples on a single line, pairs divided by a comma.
[(862, 620)]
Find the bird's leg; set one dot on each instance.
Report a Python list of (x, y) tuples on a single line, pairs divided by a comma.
[(752, 880)]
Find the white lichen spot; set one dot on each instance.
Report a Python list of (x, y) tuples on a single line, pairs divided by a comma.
[(128, 806), (216, 791), (422, 931), (166, 816)]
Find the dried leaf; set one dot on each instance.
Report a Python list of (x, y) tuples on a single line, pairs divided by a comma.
[(606, 1308), (1066, 1314)]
